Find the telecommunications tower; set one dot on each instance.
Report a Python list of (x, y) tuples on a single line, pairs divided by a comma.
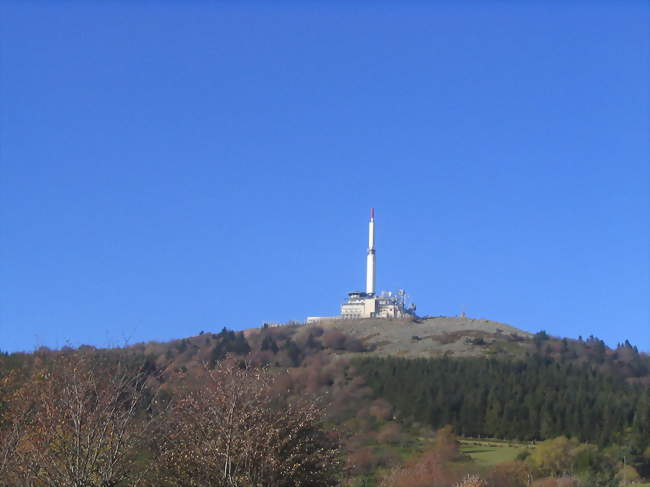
[(368, 304)]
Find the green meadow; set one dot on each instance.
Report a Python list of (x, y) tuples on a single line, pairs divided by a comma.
[(491, 453)]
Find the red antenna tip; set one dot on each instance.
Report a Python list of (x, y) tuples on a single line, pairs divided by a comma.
[(372, 213)]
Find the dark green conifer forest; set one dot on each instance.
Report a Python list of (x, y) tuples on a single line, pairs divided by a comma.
[(532, 399)]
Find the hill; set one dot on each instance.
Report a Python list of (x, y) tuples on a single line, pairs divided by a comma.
[(431, 337), (290, 344), (386, 385)]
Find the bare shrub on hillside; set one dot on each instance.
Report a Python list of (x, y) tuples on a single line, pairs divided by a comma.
[(154, 348), (317, 331), (234, 431), (346, 402), (316, 373), (381, 410), (84, 428), (337, 340), (308, 337), (362, 461), (334, 339), (389, 458), (446, 443), (510, 474), (15, 413), (280, 333), (472, 481), (432, 468), (353, 344), (391, 433), (261, 358), (363, 420)]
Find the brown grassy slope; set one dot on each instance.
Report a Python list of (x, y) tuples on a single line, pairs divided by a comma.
[(461, 337)]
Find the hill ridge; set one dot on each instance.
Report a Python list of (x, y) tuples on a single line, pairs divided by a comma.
[(431, 336)]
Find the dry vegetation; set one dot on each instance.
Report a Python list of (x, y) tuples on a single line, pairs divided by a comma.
[(273, 407), (79, 420), (428, 337)]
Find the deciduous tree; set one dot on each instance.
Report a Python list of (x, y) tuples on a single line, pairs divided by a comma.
[(15, 413), (235, 431), (84, 430)]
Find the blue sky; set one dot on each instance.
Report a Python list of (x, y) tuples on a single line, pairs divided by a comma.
[(168, 168)]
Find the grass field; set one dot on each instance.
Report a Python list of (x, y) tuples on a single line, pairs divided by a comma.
[(488, 454)]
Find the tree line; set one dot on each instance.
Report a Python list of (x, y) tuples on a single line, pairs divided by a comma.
[(531, 399)]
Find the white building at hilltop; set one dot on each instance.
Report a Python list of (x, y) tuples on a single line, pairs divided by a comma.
[(368, 304)]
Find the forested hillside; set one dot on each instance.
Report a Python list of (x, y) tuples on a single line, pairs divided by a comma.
[(532, 399), (382, 410)]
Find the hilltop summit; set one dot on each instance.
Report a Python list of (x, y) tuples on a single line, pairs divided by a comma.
[(410, 337)]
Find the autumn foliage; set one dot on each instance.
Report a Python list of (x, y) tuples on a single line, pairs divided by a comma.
[(431, 469), (75, 422), (87, 419), (235, 431)]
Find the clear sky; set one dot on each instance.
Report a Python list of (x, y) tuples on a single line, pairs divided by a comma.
[(173, 167)]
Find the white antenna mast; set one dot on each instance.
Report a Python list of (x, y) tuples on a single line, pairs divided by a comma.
[(370, 263)]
